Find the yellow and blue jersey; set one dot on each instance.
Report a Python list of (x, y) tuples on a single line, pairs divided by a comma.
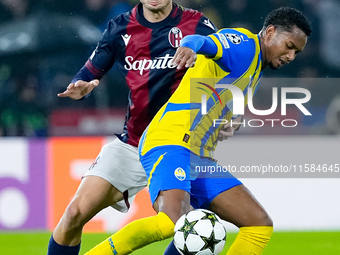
[(230, 56)]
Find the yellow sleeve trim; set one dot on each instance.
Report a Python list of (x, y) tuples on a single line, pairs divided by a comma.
[(219, 47)]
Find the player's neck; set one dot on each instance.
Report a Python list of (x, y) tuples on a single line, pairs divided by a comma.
[(156, 16), (263, 51)]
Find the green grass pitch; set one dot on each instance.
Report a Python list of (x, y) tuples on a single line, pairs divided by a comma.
[(282, 243)]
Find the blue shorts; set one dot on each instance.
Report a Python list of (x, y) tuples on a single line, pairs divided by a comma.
[(175, 167)]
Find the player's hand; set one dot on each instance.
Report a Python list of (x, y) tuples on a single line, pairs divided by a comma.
[(228, 130), (184, 57), (79, 89)]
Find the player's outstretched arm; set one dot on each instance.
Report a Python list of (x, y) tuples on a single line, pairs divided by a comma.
[(79, 89)]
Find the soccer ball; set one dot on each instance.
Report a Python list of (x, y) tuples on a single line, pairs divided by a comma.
[(199, 232)]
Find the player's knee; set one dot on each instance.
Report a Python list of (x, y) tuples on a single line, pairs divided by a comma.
[(73, 218), (256, 218), (264, 219)]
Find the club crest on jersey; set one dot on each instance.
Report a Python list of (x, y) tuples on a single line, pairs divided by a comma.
[(175, 37), (180, 174), (234, 38)]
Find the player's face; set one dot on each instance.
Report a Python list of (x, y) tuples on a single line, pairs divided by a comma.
[(282, 46), (156, 5)]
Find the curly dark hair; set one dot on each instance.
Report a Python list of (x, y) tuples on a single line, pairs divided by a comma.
[(286, 17)]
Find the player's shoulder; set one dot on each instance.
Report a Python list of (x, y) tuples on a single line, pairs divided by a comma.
[(122, 18), (188, 12), (238, 47), (240, 40), (238, 36), (204, 25), (118, 24)]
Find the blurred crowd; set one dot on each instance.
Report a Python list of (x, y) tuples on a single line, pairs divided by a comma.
[(41, 49)]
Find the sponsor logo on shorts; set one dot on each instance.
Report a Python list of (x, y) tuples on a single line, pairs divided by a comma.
[(180, 174)]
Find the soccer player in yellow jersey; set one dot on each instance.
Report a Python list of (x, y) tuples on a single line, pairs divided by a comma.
[(183, 134)]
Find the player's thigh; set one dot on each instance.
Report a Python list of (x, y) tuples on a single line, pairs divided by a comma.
[(93, 195), (224, 194), (238, 206), (118, 163), (168, 173), (210, 182)]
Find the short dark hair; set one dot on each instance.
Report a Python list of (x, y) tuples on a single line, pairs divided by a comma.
[(286, 17)]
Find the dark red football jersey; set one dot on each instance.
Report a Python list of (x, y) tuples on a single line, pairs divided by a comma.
[(143, 52)]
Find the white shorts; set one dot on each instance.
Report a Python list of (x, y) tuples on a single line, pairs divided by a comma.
[(119, 164)]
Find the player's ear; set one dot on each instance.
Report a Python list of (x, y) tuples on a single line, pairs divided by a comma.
[(270, 31)]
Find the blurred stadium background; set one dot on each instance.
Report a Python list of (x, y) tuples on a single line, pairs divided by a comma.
[(46, 143)]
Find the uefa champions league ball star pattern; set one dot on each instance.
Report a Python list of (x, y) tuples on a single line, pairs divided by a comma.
[(199, 232)]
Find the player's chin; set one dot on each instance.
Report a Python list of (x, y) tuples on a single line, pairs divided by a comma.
[(154, 6), (273, 66)]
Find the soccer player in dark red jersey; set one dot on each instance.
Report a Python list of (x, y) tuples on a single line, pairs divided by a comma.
[(142, 43)]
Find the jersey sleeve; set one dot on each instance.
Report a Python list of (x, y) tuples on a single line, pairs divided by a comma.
[(205, 26), (200, 44), (102, 58), (235, 50)]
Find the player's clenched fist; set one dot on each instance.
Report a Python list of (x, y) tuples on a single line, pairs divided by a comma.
[(79, 89), (184, 57), (229, 129)]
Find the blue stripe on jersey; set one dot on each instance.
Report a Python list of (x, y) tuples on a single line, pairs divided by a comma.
[(226, 109), (211, 102), (212, 128), (229, 79), (171, 107), (257, 84)]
